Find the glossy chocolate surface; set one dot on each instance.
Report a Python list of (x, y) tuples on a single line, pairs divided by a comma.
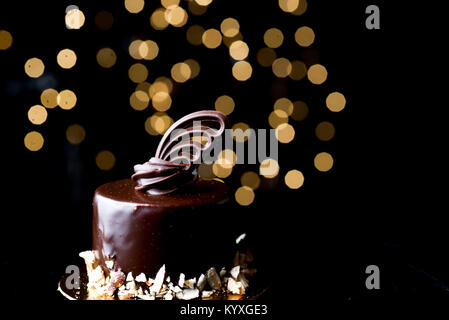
[(187, 231)]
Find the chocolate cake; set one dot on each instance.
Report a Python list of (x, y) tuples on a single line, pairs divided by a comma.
[(164, 221), (141, 232)]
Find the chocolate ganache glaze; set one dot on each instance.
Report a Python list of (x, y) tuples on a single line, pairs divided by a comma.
[(142, 223)]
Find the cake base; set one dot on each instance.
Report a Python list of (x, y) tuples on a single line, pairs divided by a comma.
[(260, 285)]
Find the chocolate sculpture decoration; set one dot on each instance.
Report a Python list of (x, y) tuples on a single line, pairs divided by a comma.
[(176, 160)]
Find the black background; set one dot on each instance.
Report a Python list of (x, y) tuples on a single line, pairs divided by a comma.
[(383, 203)]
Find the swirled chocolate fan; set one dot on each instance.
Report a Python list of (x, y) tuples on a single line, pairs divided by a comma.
[(178, 154)]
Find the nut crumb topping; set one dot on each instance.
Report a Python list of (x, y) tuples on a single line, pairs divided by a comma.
[(114, 284)]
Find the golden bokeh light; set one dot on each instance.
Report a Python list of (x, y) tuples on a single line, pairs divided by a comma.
[(250, 179), (285, 133), (221, 170), (168, 3), (139, 100), (34, 141), (161, 101), (138, 73), (134, 6), (75, 133), (134, 49), (205, 171), (144, 87), (74, 19), (238, 50), (242, 70), (149, 128), (317, 74), (194, 35), (194, 67), (104, 20), (288, 5), (37, 114), (66, 58), (299, 70), (244, 196), (195, 8), (167, 81), (106, 57), (203, 2), (269, 168), (241, 132), (161, 84), (273, 38), (181, 72), (158, 123), (294, 179), (300, 110), (282, 67), (34, 67), (284, 104), (49, 98), (228, 41), (66, 99), (147, 50), (230, 27), (176, 16), (211, 38), (5, 39), (325, 131), (266, 56), (335, 101), (304, 36), (226, 158), (225, 104), (323, 161), (157, 19), (277, 117), (105, 160), (151, 48), (301, 9)]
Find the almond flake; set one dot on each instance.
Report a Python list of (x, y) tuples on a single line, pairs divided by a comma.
[(131, 285), (97, 276), (125, 295), (235, 272), (158, 281), (242, 279), (213, 279), (189, 294), (190, 283), (168, 296), (240, 238), (201, 282), (235, 287), (181, 280), (146, 297), (206, 294), (141, 278), (177, 289), (109, 264)]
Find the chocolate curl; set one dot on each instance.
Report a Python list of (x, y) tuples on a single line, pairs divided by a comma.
[(172, 166)]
